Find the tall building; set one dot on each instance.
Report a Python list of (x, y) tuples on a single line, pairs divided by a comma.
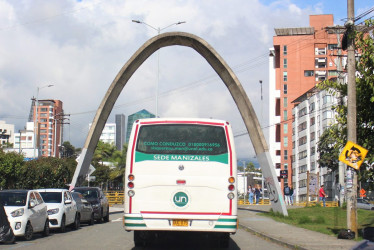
[(312, 114), (49, 129), (6, 133), (132, 118), (301, 58), (108, 135), (120, 131)]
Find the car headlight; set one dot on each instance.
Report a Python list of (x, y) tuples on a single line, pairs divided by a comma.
[(96, 205), (18, 212), (53, 211)]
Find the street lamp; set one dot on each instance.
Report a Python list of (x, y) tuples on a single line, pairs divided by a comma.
[(158, 53), (36, 120)]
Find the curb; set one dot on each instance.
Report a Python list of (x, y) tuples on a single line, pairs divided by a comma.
[(272, 239)]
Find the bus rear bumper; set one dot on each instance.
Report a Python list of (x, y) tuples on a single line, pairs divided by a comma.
[(228, 224)]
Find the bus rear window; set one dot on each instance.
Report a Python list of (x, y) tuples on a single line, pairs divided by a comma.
[(183, 139)]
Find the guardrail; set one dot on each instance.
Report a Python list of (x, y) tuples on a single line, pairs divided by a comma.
[(117, 197)]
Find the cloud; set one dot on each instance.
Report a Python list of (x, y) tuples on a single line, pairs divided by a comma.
[(80, 46)]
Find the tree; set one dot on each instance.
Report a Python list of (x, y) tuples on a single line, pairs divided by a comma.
[(335, 137), (10, 166), (69, 151)]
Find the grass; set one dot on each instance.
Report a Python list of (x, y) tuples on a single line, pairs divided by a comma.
[(327, 220)]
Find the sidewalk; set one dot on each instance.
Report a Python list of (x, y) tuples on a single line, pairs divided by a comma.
[(291, 236)]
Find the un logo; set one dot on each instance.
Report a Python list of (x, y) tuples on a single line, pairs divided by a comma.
[(180, 199)]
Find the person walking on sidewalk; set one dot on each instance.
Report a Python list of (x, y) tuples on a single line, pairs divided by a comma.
[(257, 193), (291, 195), (322, 195), (250, 194), (286, 191)]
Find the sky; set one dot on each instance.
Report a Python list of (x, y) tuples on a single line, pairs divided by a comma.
[(80, 46)]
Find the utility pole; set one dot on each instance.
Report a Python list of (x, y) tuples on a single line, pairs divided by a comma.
[(351, 116)]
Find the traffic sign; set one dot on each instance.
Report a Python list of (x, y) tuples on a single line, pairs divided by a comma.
[(353, 155), (284, 174)]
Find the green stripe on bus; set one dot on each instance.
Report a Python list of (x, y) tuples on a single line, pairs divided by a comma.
[(134, 225), (227, 220), (222, 158), (133, 218), (225, 226)]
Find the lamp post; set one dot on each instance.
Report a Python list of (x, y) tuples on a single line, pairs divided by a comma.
[(36, 120), (158, 53)]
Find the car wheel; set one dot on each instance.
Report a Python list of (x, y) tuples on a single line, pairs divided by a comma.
[(106, 218), (92, 220), (46, 230), (28, 231), (101, 217), (77, 221), (63, 225)]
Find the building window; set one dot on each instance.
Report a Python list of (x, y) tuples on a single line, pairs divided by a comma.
[(285, 141), (285, 76), (285, 89), (302, 155), (285, 115), (333, 73), (332, 46), (277, 152), (285, 102), (312, 107), (277, 165), (312, 136), (302, 112), (312, 166), (285, 63), (285, 128), (327, 114), (303, 169), (301, 127), (302, 140), (293, 144), (308, 73), (285, 155), (312, 121), (327, 99), (284, 49), (312, 150)]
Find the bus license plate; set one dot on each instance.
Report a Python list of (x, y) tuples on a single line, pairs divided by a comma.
[(180, 223)]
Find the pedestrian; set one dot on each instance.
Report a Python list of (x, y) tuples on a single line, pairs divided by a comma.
[(257, 193), (291, 195), (250, 194), (286, 191), (322, 195)]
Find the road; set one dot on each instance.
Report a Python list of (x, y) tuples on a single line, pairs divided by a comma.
[(111, 235)]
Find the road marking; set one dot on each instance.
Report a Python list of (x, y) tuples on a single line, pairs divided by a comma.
[(117, 220)]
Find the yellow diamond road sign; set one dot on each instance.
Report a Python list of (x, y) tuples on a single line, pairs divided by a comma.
[(353, 155)]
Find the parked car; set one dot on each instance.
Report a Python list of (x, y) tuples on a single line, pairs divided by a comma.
[(99, 202), (364, 204), (26, 212), (62, 209), (84, 208)]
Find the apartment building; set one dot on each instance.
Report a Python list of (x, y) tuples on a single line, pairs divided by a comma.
[(312, 114), (6, 133), (49, 126), (300, 58)]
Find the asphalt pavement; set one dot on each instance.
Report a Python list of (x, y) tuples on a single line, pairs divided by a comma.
[(281, 233)]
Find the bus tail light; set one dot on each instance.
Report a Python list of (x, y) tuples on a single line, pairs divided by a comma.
[(231, 196), (131, 177), (231, 187), (130, 184), (231, 179), (131, 193)]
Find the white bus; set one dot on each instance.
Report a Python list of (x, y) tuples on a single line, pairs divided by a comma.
[(180, 176)]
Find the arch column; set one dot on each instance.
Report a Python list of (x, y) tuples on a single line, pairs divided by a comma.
[(228, 77)]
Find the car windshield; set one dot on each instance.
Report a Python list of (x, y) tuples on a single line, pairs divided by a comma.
[(17, 199), (51, 197), (89, 193)]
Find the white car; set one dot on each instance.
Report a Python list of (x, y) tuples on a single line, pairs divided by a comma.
[(62, 209), (26, 212)]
